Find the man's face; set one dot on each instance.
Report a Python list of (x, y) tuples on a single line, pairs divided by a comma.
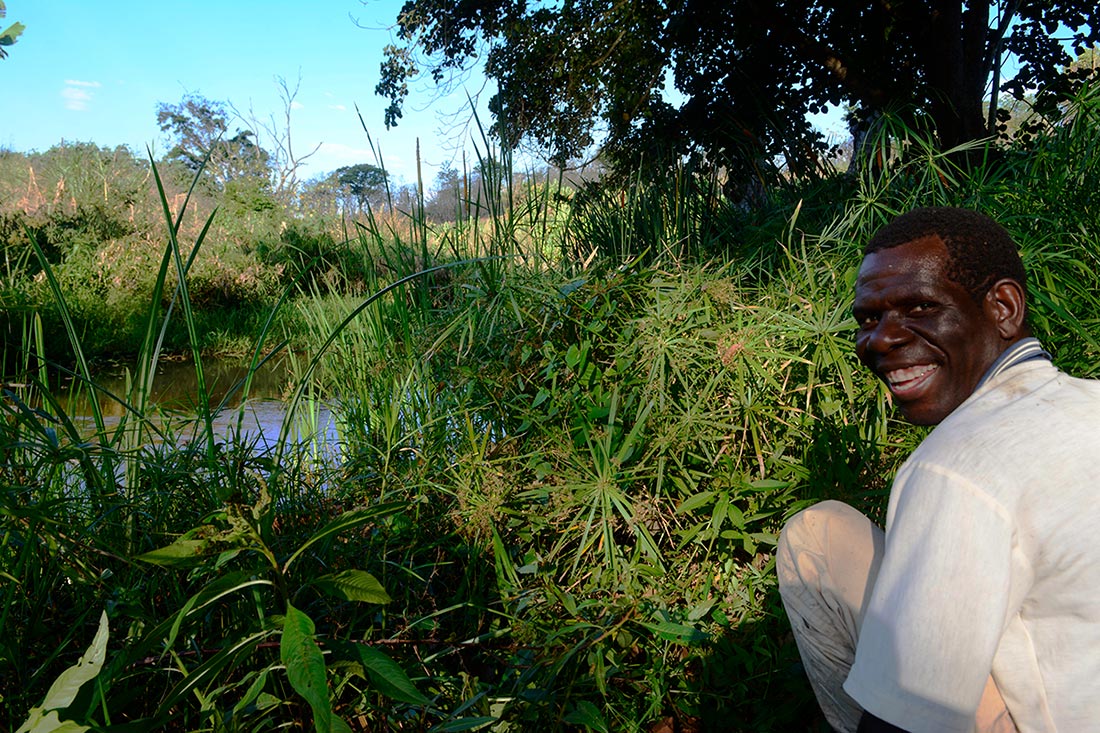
[(920, 332)]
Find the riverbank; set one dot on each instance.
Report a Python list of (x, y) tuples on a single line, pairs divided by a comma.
[(564, 458)]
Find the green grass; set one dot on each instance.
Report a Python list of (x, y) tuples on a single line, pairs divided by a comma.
[(568, 438)]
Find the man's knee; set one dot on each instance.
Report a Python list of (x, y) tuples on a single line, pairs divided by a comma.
[(818, 538), (809, 527)]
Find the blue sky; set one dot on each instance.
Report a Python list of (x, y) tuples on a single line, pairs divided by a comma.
[(95, 71)]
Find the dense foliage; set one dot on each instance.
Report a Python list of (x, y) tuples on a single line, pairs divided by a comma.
[(568, 433), (745, 72), (200, 128)]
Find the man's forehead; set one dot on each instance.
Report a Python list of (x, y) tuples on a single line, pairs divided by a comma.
[(912, 270), (926, 256)]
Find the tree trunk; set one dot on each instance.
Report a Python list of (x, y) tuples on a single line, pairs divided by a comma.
[(954, 49)]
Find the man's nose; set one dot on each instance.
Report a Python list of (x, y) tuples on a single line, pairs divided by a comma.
[(888, 333)]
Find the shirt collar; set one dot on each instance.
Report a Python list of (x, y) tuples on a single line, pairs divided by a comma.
[(1026, 349)]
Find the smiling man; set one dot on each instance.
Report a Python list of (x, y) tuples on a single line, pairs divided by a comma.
[(978, 609)]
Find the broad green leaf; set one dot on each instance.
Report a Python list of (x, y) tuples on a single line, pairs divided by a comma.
[(679, 633), (305, 669), (768, 484), (388, 678), (13, 31), (63, 691), (567, 600), (49, 723), (353, 585), (721, 509), (180, 552), (569, 287), (736, 516), (573, 356), (588, 715), (701, 610), (253, 693), (691, 533), (694, 502)]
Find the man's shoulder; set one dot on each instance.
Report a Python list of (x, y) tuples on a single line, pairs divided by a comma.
[(1028, 415), (1021, 398)]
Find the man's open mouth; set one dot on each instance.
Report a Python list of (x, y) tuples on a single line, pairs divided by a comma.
[(903, 382)]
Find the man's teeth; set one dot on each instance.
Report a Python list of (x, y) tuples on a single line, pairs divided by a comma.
[(898, 376)]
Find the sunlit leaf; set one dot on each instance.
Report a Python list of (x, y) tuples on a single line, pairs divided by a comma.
[(12, 32), (40, 722), (180, 553), (45, 719), (695, 502), (679, 633), (353, 585), (63, 691)]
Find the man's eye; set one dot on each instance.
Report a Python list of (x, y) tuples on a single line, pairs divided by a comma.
[(866, 320), (922, 308)]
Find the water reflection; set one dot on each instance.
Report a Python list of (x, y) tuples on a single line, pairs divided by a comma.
[(174, 397)]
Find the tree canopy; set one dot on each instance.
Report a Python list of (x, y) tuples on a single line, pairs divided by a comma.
[(10, 34), (199, 128), (574, 73), (357, 187)]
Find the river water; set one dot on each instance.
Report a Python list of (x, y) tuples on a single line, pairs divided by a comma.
[(175, 390)]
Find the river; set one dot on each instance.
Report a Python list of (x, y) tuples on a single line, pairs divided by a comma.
[(175, 390)]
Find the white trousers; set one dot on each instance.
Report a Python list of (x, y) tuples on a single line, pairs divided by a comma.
[(827, 561)]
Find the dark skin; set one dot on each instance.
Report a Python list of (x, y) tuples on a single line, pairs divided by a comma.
[(923, 334), (928, 339)]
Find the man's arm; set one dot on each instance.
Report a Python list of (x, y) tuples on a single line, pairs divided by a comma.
[(870, 724), (944, 526)]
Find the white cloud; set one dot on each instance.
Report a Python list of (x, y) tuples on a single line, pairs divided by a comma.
[(77, 95), (338, 107), (297, 105), (76, 99)]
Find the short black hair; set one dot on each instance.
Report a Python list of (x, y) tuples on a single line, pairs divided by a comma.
[(981, 251)]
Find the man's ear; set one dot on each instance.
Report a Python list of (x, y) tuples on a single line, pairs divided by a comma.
[(1005, 302)]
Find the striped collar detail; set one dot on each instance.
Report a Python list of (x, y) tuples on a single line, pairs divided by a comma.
[(1026, 349)]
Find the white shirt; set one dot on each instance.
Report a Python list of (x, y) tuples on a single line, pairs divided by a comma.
[(992, 562)]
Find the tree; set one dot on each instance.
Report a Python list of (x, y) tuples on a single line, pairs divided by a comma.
[(1086, 65), (364, 183), (200, 130), (575, 73), (285, 163), (448, 195), (9, 34)]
